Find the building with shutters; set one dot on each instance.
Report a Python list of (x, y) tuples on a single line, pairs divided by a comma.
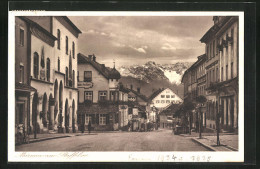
[(99, 95), (51, 47)]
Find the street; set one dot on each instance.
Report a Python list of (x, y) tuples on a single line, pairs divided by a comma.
[(161, 140)]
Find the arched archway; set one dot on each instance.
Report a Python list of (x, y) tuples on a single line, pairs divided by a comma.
[(66, 114), (73, 116), (56, 98), (60, 118), (44, 110), (35, 112)]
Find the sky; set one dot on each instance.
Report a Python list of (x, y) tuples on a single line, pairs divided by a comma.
[(131, 40)]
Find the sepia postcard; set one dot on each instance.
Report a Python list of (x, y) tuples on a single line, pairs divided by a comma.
[(125, 86)]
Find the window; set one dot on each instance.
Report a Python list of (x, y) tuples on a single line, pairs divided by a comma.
[(222, 74), (102, 119), (59, 64), (217, 79), (157, 101), (231, 70), (21, 37), (226, 72), (88, 119), (78, 76), (208, 52), (48, 69), (114, 95), (162, 96), (67, 44), (73, 50), (87, 76), (213, 48), (167, 101), (35, 65), (167, 96), (213, 76), (21, 74), (88, 95), (172, 96), (102, 95), (66, 76), (58, 39), (162, 101), (73, 79)]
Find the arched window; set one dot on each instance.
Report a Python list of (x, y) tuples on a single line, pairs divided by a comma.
[(35, 65), (48, 69), (73, 79), (73, 50), (70, 68), (67, 43), (59, 64), (66, 74), (58, 37)]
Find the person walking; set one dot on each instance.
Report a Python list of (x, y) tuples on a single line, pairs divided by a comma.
[(89, 127)]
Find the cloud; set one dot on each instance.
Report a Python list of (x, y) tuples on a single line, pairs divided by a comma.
[(167, 46), (136, 39)]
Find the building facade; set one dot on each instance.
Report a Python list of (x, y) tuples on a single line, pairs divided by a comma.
[(98, 94), (23, 88), (222, 72), (164, 97), (53, 105)]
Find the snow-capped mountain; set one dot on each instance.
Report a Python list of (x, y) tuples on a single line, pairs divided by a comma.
[(151, 71)]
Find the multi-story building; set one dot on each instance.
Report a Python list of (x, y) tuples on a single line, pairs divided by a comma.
[(52, 71), (22, 77), (194, 81), (98, 94), (222, 71)]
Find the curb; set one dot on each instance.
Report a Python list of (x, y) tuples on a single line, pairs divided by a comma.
[(204, 145), (48, 138)]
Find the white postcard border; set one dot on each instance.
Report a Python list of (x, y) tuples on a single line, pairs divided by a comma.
[(119, 156)]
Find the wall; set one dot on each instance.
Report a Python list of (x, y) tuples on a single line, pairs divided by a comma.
[(166, 92), (21, 52), (100, 83)]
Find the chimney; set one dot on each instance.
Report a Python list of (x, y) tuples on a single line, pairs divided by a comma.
[(103, 66), (94, 58), (138, 89), (90, 57), (131, 87)]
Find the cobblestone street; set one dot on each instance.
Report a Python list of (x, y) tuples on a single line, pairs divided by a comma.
[(161, 140)]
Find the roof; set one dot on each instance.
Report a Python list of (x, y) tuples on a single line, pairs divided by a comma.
[(143, 97), (215, 28), (154, 94), (32, 23), (24, 87), (157, 92), (171, 109), (105, 71), (194, 65), (71, 24)]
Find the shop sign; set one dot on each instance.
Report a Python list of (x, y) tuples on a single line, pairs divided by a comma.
[(85, 85)]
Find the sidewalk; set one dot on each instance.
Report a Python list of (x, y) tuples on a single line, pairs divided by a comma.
[(49, 136), (228, 141)]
